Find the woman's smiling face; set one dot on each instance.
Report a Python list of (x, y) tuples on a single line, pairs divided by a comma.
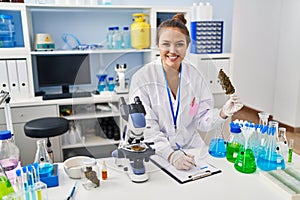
[(172, 46)]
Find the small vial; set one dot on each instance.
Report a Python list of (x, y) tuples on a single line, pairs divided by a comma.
[(104, 171), (290, 156)]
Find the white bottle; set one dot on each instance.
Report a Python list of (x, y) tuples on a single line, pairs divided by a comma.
[(117, 39), (194, 12), (208, 12), (109, 37), (126, 43)]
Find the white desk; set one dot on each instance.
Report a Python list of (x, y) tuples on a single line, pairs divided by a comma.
[(230, 184)]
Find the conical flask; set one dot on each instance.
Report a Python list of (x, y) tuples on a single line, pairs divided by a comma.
[(282, 143), (271, 159), (217, 146), (5, 185), (245, 161), (43, 159)]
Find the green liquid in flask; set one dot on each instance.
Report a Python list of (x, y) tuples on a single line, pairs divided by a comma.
[(232, 151), (245, 162), (5, 187)]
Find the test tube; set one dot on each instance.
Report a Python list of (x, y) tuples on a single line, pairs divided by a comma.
[(290, 156)]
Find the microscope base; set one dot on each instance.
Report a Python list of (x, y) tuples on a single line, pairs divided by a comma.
[(138, 178), (121, 91)]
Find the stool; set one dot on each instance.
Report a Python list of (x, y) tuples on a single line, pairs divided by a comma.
[(45, 128)]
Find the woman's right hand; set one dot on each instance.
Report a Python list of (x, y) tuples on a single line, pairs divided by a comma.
[(181, 161)]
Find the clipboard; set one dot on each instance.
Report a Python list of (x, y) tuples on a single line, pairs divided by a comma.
[(202, 170)]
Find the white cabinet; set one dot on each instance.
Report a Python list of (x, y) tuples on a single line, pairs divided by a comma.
[(210, 66), (95, 127), (27, 145)]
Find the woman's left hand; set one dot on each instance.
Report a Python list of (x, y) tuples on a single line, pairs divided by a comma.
[(231, 106)]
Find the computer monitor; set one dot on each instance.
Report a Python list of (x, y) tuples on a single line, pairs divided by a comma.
[(63, 70)]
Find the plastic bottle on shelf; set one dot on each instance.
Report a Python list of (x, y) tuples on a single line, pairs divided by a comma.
[(116, 39), (109, 37), (126, 43), (9, 156)]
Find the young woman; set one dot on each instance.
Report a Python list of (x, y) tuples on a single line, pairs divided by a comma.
[(176, 97)]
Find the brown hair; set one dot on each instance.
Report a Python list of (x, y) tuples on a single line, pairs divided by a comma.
[(178, 21)]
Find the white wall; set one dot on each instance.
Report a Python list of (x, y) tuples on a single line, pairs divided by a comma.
[(265, 43), (254, 46), (286, 100)]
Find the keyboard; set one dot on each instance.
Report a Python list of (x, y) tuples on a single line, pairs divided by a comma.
[(66, 95)]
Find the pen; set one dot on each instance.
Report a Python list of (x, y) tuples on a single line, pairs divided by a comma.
[(73, 191), (180, 149)]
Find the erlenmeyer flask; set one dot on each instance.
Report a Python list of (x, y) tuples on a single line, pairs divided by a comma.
[(245, 161), (43, 159), (282, 143), (5, 185), (271, 158), (217, 146)]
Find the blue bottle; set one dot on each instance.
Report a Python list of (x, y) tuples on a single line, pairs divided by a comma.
[(111, 84), (217, 146)]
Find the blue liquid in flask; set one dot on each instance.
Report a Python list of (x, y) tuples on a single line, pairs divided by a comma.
[(273, 162), (217, 148)]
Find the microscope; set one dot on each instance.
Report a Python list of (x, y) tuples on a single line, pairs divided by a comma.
[(5, 97), (121, 82), (133, 148)]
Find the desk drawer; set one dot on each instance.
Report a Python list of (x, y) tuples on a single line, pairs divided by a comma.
[(25, 114)]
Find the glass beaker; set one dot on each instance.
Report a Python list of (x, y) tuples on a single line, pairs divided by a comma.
[(245, 161), (5, 185), (43, 159), (90, 174), (235, 142), (271, 159), (217, 146)]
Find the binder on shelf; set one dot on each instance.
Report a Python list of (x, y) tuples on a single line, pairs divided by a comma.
[(13, 78), (201, 170), (4, 84), (22, 78)]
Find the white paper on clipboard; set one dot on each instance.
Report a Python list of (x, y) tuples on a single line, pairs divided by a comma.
[(202, 170)]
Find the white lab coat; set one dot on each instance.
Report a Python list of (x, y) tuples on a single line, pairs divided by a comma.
[(150, 85)]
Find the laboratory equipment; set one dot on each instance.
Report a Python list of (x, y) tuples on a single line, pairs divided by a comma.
[(9, 156), (104, 171), (126, 42), (271, 159), (140, 32), (234, 143), (90, 174), (245, 161), (5, 185), (217, 145), (263, 118), (116, 38), (120, 80), (282, 143), (291, 145), (132, 147), (109, 36), (101, 82), (43, 41), (5, 97), (111, 84), (43, 159), (255, 140)]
